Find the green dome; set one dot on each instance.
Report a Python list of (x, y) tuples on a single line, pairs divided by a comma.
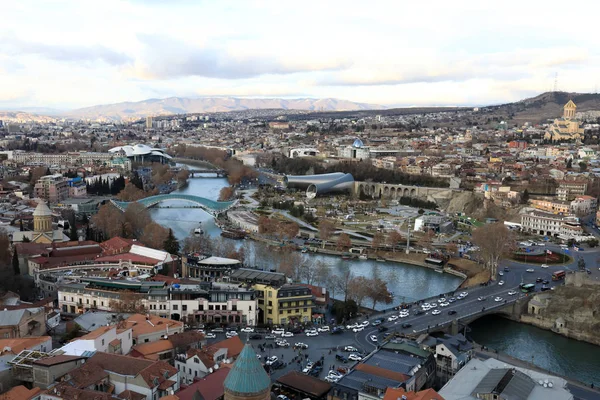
[(247, 376)]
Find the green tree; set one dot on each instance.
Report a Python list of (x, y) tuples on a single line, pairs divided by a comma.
[(74, 235), (171, 244), (525, 197)]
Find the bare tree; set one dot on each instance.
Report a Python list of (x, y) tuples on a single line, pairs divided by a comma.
[(344, 242), (128, 302), (358, 289), (393, 239), (343, 280), (377, 241), (378, 292), (494, 241), (326, 229)]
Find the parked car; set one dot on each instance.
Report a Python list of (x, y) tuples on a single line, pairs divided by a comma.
[(500, 283), (358, 329), (337, 330), (210, 335), (377, 322), (311, 332), (277, 364), (271, 360), (324, 328), (341, 358), (256, 336), (278, 331), (218, 330), (351, 349), (354, 357), (231, 334), (247, 330), (287, 334), (301, 345)]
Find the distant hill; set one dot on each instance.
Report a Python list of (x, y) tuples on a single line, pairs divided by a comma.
[(545, 106), (22, 116), (182, 105)]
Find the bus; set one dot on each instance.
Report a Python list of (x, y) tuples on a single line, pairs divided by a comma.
[(527, 287), (558, 275)]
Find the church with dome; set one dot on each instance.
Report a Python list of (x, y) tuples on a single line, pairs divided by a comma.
[(42, 228), (357, 150), (565, 128)]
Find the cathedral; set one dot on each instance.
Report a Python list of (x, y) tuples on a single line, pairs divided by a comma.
[(565, 128), (43, 231)]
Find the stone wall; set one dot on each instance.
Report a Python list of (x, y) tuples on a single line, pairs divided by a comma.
[(549, 324)]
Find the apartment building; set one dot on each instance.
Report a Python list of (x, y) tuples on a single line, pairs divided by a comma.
[(567, 190), (554, 206), (281, 305), (584, 205), (543, 223), (52, 188)]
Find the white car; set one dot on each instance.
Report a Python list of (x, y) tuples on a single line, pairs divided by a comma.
[(311, 333), (210, 335), (247, 330), (271, 360), (512, 293), (258, 356), (444, 304), (544, 266), (392, 318), (442, 300), (433, 305), (463, 294), (364, 324), (354, 357), (500, 283), (351, 349), (351, 326), (425, 305), (323, 329), (231, 334), (332, 379), (480, 298), (403, 314), (335, 374), (301, 345), (498, 299), (373, 338), (278, 331), (287, 334), (358, 329), (436, 312)]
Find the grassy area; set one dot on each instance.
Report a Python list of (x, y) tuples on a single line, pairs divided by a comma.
[(550, 259)]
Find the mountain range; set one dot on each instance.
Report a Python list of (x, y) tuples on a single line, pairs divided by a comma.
[(535, 109)]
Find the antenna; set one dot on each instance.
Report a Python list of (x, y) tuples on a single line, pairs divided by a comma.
[(556, 82)]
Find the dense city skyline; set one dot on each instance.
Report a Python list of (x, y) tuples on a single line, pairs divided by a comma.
[(68, 54)]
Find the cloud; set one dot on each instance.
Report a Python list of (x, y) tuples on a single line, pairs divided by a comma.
[(166, 58), (60, 52)]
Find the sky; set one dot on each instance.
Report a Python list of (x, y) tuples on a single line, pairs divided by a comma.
[(68, 54)]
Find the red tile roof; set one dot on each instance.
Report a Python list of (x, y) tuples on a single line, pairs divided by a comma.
[(210, 387), (305, 383), (427, 394), (116, 245), (134, 258), (20, 393), (233, 345)]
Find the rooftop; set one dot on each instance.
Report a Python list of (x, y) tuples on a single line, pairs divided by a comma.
[(247, 375), (305, 383)]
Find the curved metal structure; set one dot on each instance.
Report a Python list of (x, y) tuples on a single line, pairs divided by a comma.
[(320, 184), (210, 206)]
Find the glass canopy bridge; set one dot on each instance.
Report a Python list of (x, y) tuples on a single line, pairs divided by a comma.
[(210, 206)]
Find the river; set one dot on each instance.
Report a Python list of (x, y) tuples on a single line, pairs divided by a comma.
[(555, 353)]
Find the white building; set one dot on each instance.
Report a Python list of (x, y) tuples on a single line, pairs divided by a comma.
[(107, 339), (304, 152), (584, 205), (543, 223), (197, 363)]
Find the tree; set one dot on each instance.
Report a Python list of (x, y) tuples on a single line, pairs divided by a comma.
[(378, 292), (593, 242), (344, 310), (197, 244), (171, 245), (343, 242), (581, 263), (358, 289), (326, 229), (394, 239), (226, 193), (108, 220), (73, 235), (137, 217), (343, 279), (525, 197), (427, 239), (582, 166), (494, 241), (128, 302), (154, 235), (15, 262), (377, 241), (133, 193)]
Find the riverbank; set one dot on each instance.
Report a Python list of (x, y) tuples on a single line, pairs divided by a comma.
[(551, 325), (194, 163)]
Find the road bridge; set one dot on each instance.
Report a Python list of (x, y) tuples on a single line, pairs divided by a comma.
[(198, 173), (210, 206)]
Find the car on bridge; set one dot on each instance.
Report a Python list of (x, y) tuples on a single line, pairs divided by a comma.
[(392, 318), (436, 312), (530, 270), (512, 293), (498, 299), (481, 298), (451, 312), (500, 283)]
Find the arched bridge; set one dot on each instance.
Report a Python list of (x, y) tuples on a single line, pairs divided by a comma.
[(210, 206)]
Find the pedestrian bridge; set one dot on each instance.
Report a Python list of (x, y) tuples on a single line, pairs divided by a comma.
[(210, 206)]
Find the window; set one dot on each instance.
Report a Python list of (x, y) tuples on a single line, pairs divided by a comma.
[(64, 298), (196, 360), (175, 307), (218, 307), (234, 307), (195, 373), (210, 307), (71, 299), (146, 340), (289, 311), (270, 303), (280, 312), (201, 307), (102, 304), (184, 307), (224, 308), (306, 310), (249, 308), (102, 342), (87, 301)]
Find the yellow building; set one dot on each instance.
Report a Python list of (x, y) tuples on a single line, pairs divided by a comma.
[(555, 206), (284, 304), (565, 128)]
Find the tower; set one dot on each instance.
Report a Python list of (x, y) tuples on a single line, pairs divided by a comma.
[(247, 379), (569, 110), (42, 218)]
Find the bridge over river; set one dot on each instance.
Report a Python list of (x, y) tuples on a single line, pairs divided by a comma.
[(210, 206)]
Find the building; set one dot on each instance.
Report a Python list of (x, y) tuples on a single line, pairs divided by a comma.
[(47, 370), (141, 153), (52, 188), (209, 388), (565, 128), (296, 385), (197, 363), (493, 379), (303, 152), (149, 121), (165, 349), (451, 354), (43, 231), (400, 393), (122, 376), (207, 268), (584, 205), (543, 223), (554, 206), (110, 339), (282, 305), (25, 322), (150, 328), (567, 190), (77, 187), (21, 392), (357, 151), (437, 223), (16, 345), (254, 276), (214, 302), (247, 379)]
